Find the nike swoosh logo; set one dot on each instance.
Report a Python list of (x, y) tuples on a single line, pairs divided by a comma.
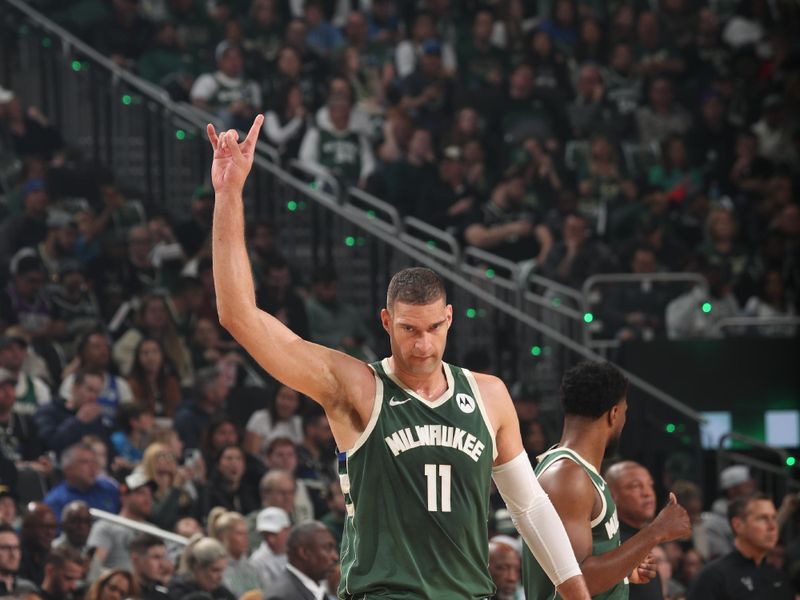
[(394, 402)]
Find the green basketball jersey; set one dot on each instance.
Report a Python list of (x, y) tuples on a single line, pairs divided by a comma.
[(416, 487), (605, 533), (341, 154)]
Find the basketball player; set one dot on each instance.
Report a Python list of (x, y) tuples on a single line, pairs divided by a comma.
[(594, 397), (422, 437)]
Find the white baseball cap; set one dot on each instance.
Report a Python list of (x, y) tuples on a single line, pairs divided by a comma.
[(272, 520), (733, 475)]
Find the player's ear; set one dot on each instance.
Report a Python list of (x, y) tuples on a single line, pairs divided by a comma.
[(449, 313), (612, 415), (386, 319)]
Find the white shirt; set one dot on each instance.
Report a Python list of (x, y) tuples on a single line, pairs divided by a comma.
[(312, 586), (268, 564)]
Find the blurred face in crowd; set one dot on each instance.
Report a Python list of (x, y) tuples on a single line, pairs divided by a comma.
[(150, 357), (521, 82), (713, 110), (140, 243), (13, 357), (647, 29), (140, 501), (535, 441), (225, 434), (634, 494), (575, 229), (289, 63), (231, 465), (721, 225), (87, 391), (283, 456), (36, 202), (504, 568), (336, 501), (8, 510), (757, 529), (281, 494), (116, 588), (661, 94), (564, 12), (151, 566), (420, 144), (644, 261), (296, 34), (155, 317), (264, 13), (40, 526), (588, 81), (82, 472), (10, 554), (65, 238), (690, 565), (542, 44), (97, 352), (423, 28), (206, 334), (231, 63), (676, 152), (64, 580), (622, 58), (76, 524), (30, 283), (482, 27), (209, 577), (663, 566), (355, 28), (236, 541), (287, 401)]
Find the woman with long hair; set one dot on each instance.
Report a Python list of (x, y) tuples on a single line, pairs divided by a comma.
[(228, 487), (153, 384), (116, 584), (281, 418), (179, 489), (153, 320)]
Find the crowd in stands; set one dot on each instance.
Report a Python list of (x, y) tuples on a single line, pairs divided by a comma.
[(586, 136)]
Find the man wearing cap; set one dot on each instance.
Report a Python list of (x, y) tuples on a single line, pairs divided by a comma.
[(226, 93), (734, 482), (111, 541), (30, 391), (270, 559)]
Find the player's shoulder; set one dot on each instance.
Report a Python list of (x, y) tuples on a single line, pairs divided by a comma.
[(491, 385), (568, 476)]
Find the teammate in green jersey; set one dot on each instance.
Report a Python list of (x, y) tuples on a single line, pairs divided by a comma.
[(594, 397), (420, 438)]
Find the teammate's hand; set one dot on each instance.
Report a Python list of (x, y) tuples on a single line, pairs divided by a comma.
[(673, 522), (232, 160), (645, 572)]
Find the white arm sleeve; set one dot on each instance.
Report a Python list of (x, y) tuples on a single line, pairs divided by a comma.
[(536, 519)]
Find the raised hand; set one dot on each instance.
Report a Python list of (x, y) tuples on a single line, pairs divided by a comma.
[(232, 160), (645, 572), (673, 522)]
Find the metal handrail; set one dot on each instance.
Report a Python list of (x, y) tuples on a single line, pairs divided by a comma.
[(781, 454), (320, 174), (139, 526), (356, 196), (550, 284), (755, 322), (695, 278), (413, 224), (495, 262)]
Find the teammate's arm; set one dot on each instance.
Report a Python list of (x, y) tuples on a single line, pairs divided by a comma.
[(572, 495), (331, 378), (532, 513)]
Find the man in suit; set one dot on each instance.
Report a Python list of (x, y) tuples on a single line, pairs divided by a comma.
[(312, 555)]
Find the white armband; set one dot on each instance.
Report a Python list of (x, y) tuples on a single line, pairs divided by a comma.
[(536, 519)]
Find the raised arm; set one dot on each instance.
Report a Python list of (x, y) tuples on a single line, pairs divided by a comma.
[(340, 383), (531, 511)]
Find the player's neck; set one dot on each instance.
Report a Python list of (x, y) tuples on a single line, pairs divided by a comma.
[(429, 387), (586, 440)]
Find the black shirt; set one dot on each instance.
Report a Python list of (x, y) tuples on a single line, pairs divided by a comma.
[(645, 591), (736, 577)]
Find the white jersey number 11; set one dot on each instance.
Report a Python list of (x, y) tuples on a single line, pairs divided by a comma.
[(444, 474)]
